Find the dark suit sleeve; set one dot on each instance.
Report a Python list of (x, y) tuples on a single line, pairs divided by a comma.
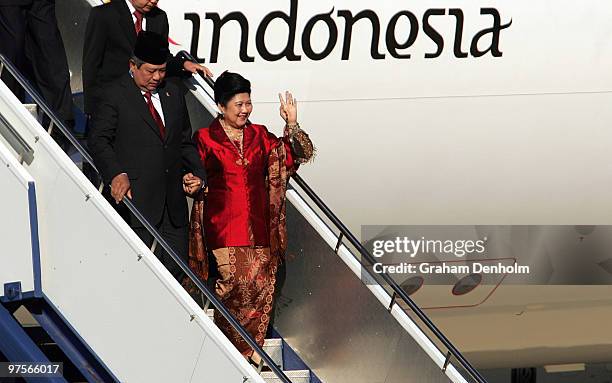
[(93, 54), (102, 136), (191, 158), (175, 67), (175, 64)]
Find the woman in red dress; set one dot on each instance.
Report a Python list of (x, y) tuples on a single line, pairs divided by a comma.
[(241, 216)]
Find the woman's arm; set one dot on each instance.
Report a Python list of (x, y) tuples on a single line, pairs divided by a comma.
[(300, 145)]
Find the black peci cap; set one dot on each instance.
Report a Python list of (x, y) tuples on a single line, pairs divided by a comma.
[(152, 48)]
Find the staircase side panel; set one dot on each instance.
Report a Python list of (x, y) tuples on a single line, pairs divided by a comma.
[(18, 251)]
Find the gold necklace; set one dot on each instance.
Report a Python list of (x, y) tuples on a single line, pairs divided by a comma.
[(239, 137)]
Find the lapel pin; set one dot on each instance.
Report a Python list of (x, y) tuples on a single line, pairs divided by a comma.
[(167, 94)]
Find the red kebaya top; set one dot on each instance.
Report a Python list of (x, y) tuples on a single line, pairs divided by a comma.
[(237, 208)]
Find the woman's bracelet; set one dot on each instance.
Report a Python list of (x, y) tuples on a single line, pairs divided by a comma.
[(301, 144), (292, 128)]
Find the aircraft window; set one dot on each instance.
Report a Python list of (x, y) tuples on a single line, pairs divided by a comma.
[(412, 284), (467, 284)]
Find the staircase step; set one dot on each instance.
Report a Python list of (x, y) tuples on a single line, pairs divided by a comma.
[(274, 348), (33, 109), (24, 317), (296, 376)]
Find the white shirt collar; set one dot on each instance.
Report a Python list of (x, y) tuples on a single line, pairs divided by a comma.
[(154, 94), (157, 104)]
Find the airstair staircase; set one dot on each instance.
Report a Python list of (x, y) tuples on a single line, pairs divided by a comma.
[(95, 297)]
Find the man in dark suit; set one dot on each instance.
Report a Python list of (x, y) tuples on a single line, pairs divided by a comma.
[(109, 42), (141, 141), (30, 39)]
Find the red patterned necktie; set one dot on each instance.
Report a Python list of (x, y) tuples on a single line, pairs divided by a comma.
[(138, 25), (155, 115)]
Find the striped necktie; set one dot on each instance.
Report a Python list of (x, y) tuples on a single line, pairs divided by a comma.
[(138, 25)]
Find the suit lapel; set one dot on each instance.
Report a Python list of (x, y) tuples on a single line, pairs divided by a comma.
[(125, 20), (135, 99), (169, 109)]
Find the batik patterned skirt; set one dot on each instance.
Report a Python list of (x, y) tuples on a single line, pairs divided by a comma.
[(246, 288)]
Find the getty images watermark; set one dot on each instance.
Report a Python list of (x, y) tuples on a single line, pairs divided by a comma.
[(460, 256), (405, 247)]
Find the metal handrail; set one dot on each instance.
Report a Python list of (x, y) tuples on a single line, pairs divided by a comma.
[(397, 290), (156, 235)]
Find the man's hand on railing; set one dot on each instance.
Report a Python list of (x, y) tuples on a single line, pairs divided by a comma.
[(120, 187), (194, 68)]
